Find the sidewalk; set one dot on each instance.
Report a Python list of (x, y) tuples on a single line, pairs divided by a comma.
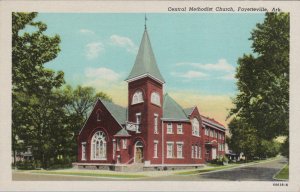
[(134, 175)]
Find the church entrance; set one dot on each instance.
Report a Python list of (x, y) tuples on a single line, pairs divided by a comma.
[(139, 152)]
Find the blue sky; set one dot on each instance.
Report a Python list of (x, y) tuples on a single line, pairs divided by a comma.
[(196, 53)]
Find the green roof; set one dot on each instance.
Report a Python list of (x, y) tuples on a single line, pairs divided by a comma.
[(188, 111), (145, 63), (122, 133), (117, 111), (172, 110)]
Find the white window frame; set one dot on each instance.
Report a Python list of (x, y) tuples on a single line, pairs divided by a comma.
[(118, 142), (196, 151), (155, 123), (138, 117), (169, 128), (137, 97), (114, 148), (179, 143), (155, 149), (179, 128), (83, 151), (124, 143), (206, 131), (195, 127), (155, 98), (101, 146), (200, 152), (192, 153), (170, 147)]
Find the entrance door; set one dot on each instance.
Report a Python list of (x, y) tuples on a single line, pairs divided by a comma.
[(213, 153), (138, 152)]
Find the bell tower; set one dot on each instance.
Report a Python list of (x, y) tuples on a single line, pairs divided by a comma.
[(145, 101)]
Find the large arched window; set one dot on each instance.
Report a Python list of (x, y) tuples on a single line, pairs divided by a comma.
[(155, 98), (195, 127), (137, 97), (98, 146)]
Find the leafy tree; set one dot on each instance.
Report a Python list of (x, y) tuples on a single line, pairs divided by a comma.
[(267, 148), (244, 138), (34, 109), (46, 115), (284, 149), (263, 81)]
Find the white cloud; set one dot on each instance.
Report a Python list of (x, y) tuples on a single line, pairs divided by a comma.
[(228, 77), (102, 73), (221, 65), (108, 81), (92, 50), (123, 42), (86, 31), (190, 75)]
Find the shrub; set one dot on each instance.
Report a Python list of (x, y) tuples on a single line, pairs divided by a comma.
[(25, 165), (220, 160)]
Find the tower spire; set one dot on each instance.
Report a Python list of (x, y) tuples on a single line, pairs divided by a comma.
[(145, 63), (145, 21)]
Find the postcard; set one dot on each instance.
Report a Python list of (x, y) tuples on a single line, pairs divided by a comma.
[(149, 96)]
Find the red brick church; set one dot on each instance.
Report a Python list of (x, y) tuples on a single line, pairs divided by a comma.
[(154, 131)]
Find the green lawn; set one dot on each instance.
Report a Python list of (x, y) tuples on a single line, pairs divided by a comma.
[(191, 172), (128, 176), (283, 174)]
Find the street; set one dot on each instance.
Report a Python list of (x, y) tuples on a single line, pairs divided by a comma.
[(257, 172)]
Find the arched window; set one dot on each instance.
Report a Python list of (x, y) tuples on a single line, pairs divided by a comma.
[(137, 97), (98, 115), (195, 127), (98, 146), (155, 98)]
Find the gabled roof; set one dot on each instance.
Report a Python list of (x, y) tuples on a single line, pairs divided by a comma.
[(172, 110), (189, 111), (212, 122), (145, 63), (118, 112), (122, 133)]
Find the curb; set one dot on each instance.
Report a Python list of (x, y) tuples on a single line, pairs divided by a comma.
[(278, 173), (230, 168)]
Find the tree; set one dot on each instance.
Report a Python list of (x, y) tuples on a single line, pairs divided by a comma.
[(244, 138), (33, 98), (83, 99), (284, 149), (46, 115), (263, 79)]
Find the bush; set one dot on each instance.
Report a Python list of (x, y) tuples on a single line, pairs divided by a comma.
[(220, 160), (65, 162), (25, 165)]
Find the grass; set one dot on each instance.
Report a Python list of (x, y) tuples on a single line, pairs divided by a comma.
[(213, 165), (283, 174), (128, 176), (198, 171)]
